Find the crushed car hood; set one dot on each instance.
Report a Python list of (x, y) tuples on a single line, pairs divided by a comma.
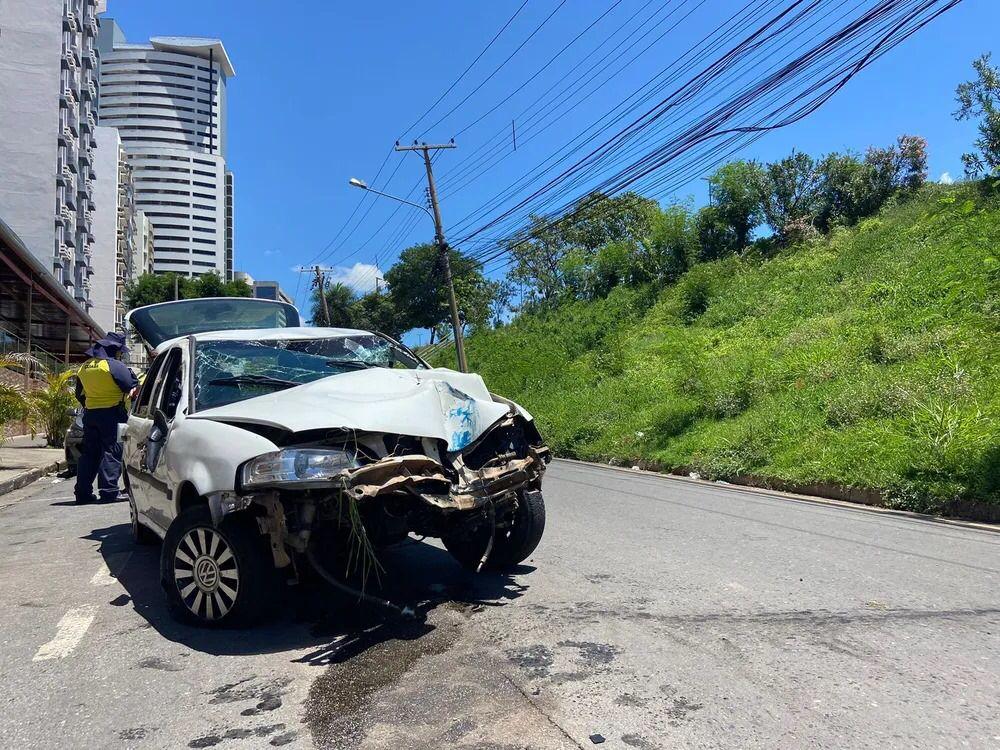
[(451, 406)]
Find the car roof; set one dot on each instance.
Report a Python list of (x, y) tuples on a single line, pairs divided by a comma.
[(271, 334)]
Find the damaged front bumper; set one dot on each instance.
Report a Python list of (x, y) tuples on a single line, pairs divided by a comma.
[(507, 458), (505, 471), (426, 478)]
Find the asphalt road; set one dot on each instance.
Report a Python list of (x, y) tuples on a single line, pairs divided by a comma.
[(657, 613)]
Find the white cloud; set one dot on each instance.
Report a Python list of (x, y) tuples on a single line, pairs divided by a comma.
[(360, 277), (946, 179), (274, 251)]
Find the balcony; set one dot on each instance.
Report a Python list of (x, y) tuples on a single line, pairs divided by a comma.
[(89, 91), (70, 22)]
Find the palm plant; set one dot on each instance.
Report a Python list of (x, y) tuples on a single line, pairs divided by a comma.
[(51, 406), (13, 403)]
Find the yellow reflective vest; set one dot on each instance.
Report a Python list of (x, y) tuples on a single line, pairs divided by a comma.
[(101, 388)]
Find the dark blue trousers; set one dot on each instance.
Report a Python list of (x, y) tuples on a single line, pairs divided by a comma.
[(100, 454)]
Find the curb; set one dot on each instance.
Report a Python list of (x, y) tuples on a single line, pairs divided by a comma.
[(31, 475), (795, 497)]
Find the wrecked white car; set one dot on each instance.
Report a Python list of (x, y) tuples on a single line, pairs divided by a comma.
[(256, 447)]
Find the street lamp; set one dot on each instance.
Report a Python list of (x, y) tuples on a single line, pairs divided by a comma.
[(456, 322), (355, 182)]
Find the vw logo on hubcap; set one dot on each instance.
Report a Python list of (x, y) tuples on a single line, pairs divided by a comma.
[(206, 573)]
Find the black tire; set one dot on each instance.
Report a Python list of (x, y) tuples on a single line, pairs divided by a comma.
[(216, 576), (141, 534), (510, 549)]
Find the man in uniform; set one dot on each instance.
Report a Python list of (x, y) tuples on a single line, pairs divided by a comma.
[(103, 383)]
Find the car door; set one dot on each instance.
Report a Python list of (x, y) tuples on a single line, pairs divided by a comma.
[(166, 408), (140, 421), (151, 491)]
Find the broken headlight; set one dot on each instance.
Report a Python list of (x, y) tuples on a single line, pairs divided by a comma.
[(295, 467)]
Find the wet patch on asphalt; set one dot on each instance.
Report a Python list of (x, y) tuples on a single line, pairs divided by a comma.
[(638, 741), (631, 700), (250, 688), (588, 658), (155, 662), (134, 733), (534, 660), (363, 666), (211, 740), (593, 654)]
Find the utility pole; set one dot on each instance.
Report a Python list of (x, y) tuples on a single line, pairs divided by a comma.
[(320, 283), (177, 295), (456, 324)]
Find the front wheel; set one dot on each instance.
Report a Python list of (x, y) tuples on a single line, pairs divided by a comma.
[(512, 546), (216, 576)]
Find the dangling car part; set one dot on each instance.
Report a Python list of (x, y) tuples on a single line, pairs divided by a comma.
[(254, 450)]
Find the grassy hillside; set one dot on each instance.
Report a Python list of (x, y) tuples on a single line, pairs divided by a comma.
[(868, 358)]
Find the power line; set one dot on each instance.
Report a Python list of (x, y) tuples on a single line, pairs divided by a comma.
[(908, 18)]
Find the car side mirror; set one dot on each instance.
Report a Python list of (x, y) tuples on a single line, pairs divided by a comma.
[(157, 438)]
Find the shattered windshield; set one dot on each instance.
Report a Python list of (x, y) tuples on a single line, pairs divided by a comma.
[(229, 371)]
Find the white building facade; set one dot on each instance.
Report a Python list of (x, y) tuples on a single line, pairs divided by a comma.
[(48, 114), (119, 231), (168, 100)]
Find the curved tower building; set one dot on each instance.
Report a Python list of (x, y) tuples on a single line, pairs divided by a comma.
[(168, 100)]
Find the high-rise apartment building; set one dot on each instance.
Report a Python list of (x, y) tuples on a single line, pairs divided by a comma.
[(118, 230), (168, 100), (142, 261), (48, 112)]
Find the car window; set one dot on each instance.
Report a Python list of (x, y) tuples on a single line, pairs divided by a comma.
[(141, 406), (226, 371), (169, 394)]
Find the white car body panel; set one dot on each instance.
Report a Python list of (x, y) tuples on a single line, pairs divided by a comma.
[(451, 406)]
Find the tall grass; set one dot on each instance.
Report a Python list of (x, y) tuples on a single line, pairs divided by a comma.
[(866, 358)]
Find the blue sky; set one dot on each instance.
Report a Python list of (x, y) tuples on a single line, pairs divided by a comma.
[(323, 89)]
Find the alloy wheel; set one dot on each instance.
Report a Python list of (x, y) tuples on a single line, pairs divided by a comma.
[(206, 573)]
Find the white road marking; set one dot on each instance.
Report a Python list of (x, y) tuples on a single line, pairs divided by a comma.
[(102, 577), (69, 633)]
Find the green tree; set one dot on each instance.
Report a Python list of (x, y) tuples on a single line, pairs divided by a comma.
[(853, 188), (376, 312), (549, 249), (791, 195), (418, 294), (735, 190), (340, 301), (667, 251), (980, 99), (150, 289), (715, 236), (538, 258)]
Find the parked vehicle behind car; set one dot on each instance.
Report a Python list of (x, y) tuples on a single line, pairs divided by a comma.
[(256, 446), (73, 441)]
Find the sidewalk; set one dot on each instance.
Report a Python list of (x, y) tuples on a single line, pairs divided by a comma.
[(23, 460)]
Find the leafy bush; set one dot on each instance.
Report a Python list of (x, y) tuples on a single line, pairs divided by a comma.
[(50, 406), (694, 292)]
